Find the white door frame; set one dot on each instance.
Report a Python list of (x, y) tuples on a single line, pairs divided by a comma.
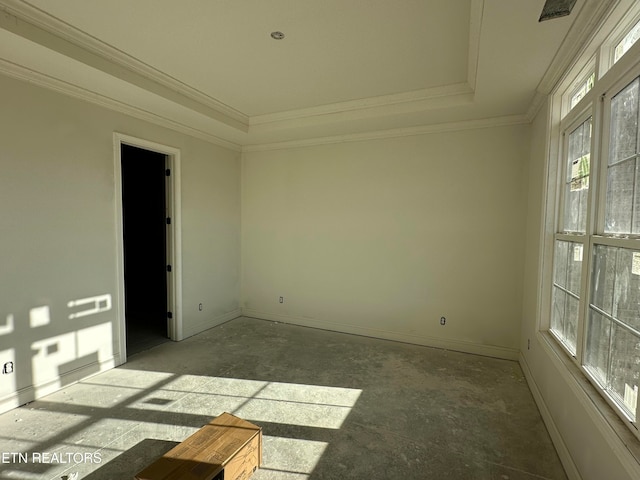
[(174, 239)]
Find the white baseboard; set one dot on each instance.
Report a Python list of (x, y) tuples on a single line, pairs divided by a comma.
[(447, 344), (34, 392), (209, 323), (563, 452)]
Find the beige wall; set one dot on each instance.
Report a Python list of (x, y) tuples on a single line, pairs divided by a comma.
[(57, 206), (383, 237), (589, 448)]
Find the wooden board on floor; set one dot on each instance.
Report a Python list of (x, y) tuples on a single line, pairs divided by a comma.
[(228, 448)]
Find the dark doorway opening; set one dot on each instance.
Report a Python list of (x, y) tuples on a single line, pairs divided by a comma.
[(144, 207)]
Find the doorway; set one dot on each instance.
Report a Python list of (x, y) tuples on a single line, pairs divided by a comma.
[(144, 214), (148, 240)]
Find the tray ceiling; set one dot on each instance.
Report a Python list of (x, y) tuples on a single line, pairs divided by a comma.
[(344, 66)]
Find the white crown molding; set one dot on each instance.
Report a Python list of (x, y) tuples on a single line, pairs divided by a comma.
[(475, 28), (416, 105), (417, 100), (535, 106), (35, 25), (392, 133), (36, 78), (588, 19), (371, 106)]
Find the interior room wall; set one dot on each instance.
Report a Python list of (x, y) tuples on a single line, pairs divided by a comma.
[(589, 448), (58, 205), (386, 236)]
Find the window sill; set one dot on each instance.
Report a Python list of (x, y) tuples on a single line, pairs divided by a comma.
[(612, 426)]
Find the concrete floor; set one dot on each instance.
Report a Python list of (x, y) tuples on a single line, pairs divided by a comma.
[(332, 406)]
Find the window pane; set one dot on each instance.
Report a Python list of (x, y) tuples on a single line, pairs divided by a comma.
[(627, 42), (620, 197), (616, 283), (574, 270), (575, 211), (560, 263), (578, 169), (603, 278), (567, 276), (582, 90), (558, 311), (597, 347), (626, 298), (624, 123), (571, 323), (574, 152), (625, 368)]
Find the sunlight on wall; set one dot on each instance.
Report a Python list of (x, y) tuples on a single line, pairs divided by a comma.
[(7, 328), (39, 316), (98, 304), (90, 347), (56, 356), (96, 339)]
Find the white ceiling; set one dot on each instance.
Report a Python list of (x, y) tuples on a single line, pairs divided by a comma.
[(210, 67)]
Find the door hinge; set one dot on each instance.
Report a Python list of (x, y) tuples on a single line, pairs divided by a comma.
[(167, 172), (168, 268), (168, 220), (169, 315)]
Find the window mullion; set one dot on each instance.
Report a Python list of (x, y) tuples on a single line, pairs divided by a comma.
[(604, 115)]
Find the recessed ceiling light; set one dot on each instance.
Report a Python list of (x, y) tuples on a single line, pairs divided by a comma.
[(277, 35)]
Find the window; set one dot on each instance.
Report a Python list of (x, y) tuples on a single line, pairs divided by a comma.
[(566, 293), (623, 198), (577, 179), (612, 349), (627, 42), (612, 352), (582, 90), (594, 289), (569, 245)]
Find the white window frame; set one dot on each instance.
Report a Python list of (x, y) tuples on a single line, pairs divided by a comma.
[(590, 69), (609, 80), (568, 125)]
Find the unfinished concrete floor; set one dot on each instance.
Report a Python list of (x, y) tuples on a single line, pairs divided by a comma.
[(332, 406)]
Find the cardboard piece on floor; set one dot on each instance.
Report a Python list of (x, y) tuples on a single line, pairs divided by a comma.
[(228, 448)]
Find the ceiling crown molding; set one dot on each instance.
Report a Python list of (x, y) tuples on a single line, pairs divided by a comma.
[(394, 104), (37, 26), (36, 78), (475, 28), (392, 133), (588, 19), (418, 100), (31, 23)]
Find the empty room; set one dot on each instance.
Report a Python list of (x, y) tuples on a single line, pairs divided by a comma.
[(306, 240)]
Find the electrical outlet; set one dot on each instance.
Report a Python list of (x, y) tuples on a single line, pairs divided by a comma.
[(200, 306), (281, 300), (443, 320), (8, 367)]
